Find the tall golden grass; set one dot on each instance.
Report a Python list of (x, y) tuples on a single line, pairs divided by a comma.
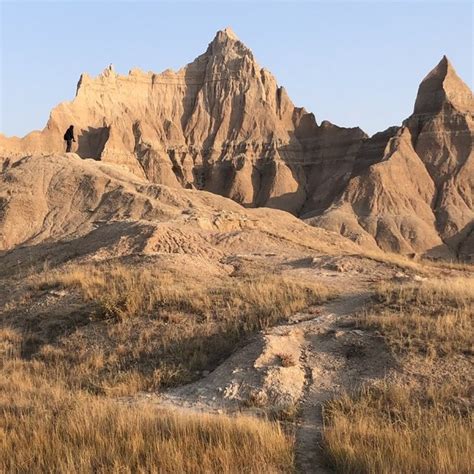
[(123, 292), (402, 427), (136, 329), (431, 317), (45, 428), (144, 329), (395, 428)]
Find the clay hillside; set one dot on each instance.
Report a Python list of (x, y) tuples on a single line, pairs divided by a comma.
[(222, 124), (150, 324)]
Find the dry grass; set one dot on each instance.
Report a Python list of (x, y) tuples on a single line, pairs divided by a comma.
[(286, 359), (143, 329), (395, 428), (456, 292), (115, 331), (453, 265), (45, 428), (420, 426), (124, 292), (434, 317), (421, 266), (396, 259)]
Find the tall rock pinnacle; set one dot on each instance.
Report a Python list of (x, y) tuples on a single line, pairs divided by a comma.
[(442, 86), (223, 124)]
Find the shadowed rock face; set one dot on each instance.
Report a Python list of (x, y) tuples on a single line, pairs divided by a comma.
[(417, 195), (222, 124)]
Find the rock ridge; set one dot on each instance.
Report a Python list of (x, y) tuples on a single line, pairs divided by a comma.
[(223, 124)]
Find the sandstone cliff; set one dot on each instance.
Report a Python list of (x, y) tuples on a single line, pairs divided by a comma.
[(223, 124), (417, 195)]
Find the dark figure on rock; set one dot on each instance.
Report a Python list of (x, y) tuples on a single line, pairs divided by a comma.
[(69, 138)]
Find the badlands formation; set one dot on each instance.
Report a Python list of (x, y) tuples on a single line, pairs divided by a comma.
[(130, 282), (222, 124)]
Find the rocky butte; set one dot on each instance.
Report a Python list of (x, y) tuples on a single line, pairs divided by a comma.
[(222, 124)]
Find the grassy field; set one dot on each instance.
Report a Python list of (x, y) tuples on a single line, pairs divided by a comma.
[(114, 331), (433, 318), (417, 426), (397, 428), (47, 428), (131, 329)]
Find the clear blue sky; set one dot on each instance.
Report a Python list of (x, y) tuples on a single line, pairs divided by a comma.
[(353, 63)]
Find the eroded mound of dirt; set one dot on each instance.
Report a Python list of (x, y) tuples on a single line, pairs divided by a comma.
[(88, 208)]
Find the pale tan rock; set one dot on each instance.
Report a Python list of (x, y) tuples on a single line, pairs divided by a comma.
[(222, 124), (85, 207), (417, 196)]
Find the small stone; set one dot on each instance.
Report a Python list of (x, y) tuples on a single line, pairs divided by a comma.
[(58, 292), (419, 278)]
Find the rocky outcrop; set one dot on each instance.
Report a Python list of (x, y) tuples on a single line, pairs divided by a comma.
[(412, 189), (223, 124), (59, 207)]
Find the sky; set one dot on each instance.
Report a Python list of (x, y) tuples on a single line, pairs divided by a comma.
[(353, 63)]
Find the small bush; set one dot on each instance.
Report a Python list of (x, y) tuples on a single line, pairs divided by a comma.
[(286, 359)]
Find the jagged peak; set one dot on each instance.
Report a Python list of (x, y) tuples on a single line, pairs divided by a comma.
[(108, 71), (440, 86), (440, 71), (225, 36), (228, 33), (226, 42), (86, 79)]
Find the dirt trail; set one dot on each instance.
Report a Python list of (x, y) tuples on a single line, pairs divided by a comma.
[(335, 358), (330, 357)]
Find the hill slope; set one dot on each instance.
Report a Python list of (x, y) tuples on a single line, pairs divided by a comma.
[(222, 124)]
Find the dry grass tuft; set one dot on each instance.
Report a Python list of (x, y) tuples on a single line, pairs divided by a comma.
[(286, 359), (434, 317), (44, 428), (455, 292), (396, 259), (395, 428), (423, 266)]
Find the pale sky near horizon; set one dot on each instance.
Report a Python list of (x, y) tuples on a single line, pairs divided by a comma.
[(353, 63)]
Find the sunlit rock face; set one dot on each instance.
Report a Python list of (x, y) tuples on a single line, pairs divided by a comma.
[(223, 124), (417, 194)]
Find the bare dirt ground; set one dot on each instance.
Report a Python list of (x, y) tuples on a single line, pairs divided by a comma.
[(336, 358), (290, 370)]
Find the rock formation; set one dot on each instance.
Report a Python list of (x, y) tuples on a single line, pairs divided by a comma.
[(223, 124), (63, 207), (417, 194)]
